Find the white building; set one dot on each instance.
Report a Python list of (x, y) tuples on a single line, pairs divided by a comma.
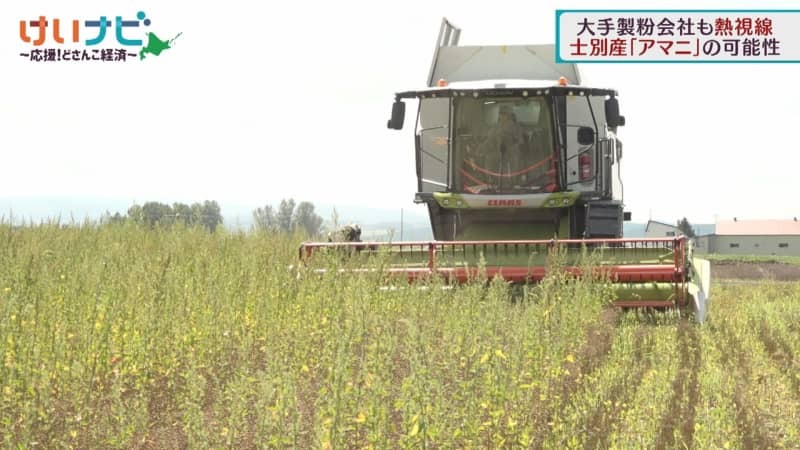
[(752, 237), (657, 229)]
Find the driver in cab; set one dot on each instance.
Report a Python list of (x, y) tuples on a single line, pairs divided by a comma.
[(505, 143)]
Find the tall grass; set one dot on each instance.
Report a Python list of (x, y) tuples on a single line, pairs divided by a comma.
[(127, 337), (120, 336)]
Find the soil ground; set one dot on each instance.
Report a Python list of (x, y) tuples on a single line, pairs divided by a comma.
[(731, 270)]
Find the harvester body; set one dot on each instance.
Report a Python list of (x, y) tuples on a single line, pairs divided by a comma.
[(509, 145), (516, 159)]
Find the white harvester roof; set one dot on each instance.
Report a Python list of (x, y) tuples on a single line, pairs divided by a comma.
[(501, 62), (456, 63)]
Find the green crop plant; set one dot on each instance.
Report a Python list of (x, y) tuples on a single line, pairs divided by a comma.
[(126, 337)]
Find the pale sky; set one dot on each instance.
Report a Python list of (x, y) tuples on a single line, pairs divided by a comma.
[(256, 102)]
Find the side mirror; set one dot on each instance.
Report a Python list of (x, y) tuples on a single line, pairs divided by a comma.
[(585, 136), (612, 113), (619, 150), (398, 115)]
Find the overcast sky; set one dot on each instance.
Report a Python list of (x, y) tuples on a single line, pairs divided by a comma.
[(256, 102)]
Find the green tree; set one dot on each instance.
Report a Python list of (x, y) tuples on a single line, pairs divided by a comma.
[(135, 213), (157, 213), (285, 216), (686, 228), (197, 212), (265, 219), (306, 219), (289, 217), (183, 213), (207, 214), (108, 218), (210, 215)]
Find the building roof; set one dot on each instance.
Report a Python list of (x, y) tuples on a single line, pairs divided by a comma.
[(758, 227), (647, 228)]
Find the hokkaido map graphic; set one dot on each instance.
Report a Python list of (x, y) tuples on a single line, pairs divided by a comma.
[(155, 45)]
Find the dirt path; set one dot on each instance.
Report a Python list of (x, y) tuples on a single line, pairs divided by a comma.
[(755, 271), (780, 352), (683, 403), (602, 419), (750, 419), (592, 354)]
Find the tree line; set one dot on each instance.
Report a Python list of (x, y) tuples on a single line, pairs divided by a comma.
[(287, 217), (207, 214)]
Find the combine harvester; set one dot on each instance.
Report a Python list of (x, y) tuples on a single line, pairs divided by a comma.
[(516, 159)]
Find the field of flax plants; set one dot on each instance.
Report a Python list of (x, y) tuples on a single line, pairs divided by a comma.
[(126, 337)]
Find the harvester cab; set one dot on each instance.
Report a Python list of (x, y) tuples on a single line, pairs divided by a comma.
[(516, 158), (509, 145)]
